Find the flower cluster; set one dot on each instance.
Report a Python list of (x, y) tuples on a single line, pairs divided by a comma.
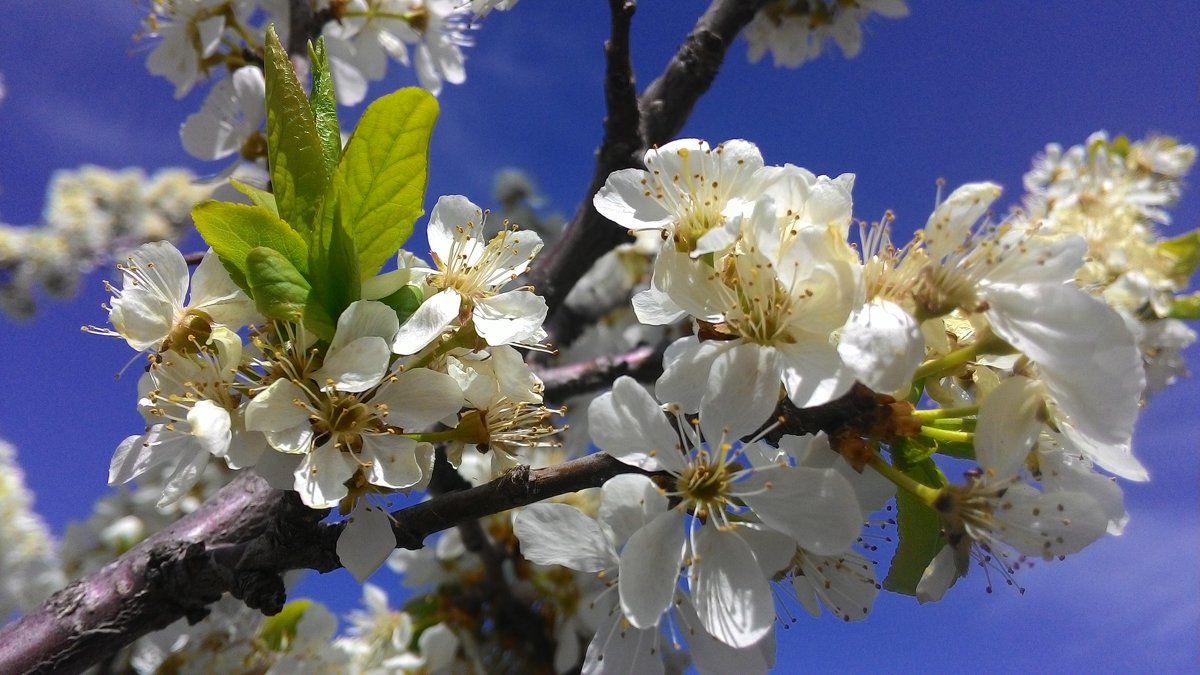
[(198, 39), (971, 323), (1114, 193), (29, 567), (348, 421), (91, 214), (795, 31)]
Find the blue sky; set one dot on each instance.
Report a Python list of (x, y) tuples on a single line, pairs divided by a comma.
[(961, 91)]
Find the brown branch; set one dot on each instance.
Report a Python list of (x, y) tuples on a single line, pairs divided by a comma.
[(588, 235), (562, 382), (241, 541), (661, 112)]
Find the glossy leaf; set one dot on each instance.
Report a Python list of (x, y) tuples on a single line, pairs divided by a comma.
[(335, 273), (1185, 307), (324, 106), (257, 196), (1185, 251), (233, 230), (379, 186), (279, 631), (278, 288), (297, 162)]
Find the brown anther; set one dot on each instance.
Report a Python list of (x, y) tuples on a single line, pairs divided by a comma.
[(853, 448)]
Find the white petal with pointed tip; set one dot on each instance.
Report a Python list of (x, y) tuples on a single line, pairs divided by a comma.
[(649, 569), (558, 534), (367, 540), (732, 597)]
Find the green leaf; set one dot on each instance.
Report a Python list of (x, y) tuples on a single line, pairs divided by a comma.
[(278, 288), (1185, 251), (278, 631), (297, 162), (233, 230), (405, 301), (917, 526), (1186, 307), (324, 106), (258, 197), (379, 186), (335, 275), (316, 319)]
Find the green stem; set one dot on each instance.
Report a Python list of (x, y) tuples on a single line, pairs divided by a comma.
[(905, 482), (947, 435), (986, 343), (944, 413)]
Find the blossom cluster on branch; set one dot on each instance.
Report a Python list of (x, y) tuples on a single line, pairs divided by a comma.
[(784, 391)]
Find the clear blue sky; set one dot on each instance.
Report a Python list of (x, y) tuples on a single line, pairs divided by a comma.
[(961, 91)]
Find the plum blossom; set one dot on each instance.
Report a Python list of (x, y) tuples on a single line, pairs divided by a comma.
[(149, 310), (469, 279), (814, 508), (229, 120)]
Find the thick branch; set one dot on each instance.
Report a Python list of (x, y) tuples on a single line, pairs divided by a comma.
[(664, 108), (149, 587), (241, 541)]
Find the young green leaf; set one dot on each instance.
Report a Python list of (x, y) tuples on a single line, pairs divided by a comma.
[(297, 162), (918, 529), (324, 106), (1186, 307), (233, 230), (379, 185), (258, 197), (335, 275), (278, 288), (1185, 250)]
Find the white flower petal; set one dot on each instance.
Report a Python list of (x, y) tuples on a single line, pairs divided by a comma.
[(624, 200), (939, 576), (628, 424), (275, 408), (366, 541), (713, 657), (817, 507), (733, 599), (508, 318), (649, 569), (419, 397), (1007, 427), (628, 503), (687, 364), (558, 534), (321, 477), (393, 460), (813, 373), (882, 345), (743, 388), (365, 318), (426, 324), (357, 366), (620, 648)]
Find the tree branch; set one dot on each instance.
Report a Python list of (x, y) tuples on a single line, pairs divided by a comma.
[(241, 541), (562, 382)]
